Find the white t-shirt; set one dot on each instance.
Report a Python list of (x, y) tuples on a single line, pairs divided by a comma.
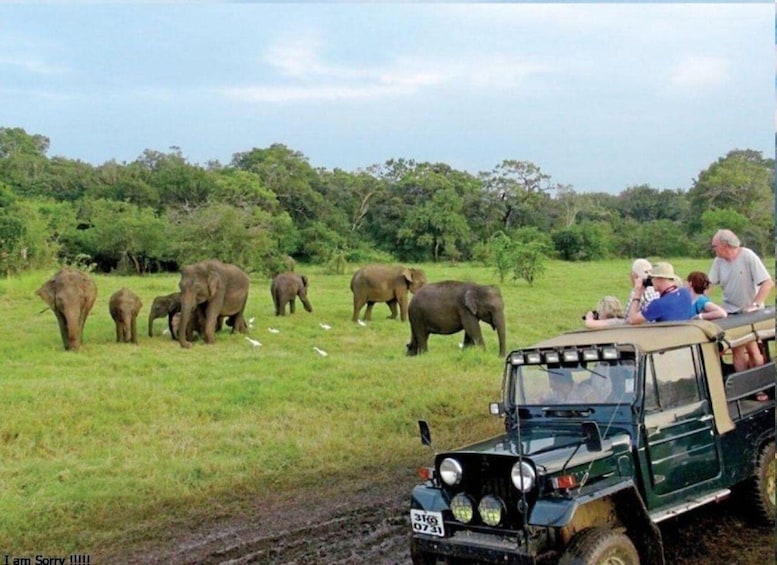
[(739, 279)]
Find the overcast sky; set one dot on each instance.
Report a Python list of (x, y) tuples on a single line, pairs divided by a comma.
[(599, 96)]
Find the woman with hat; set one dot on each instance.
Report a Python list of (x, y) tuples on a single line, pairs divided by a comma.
[(673, 303)]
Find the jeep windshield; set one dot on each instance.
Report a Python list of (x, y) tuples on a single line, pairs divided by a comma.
[(572, 376)]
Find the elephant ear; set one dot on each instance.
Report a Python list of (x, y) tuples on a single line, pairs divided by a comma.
[(46, 292), (408, 275), (471, 301), (213, 283)]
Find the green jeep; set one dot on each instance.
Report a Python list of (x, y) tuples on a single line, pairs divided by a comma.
[(607, 433)]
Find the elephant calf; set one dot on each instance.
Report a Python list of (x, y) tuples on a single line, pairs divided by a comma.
[(285, 289), (124, 306), (451, 306), (166, 305), (70, 294)]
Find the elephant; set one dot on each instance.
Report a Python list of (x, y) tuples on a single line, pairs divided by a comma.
[(70, 294), (384, 283), (448, 307), (124, 306), (166, 305), (170, 305), (221, 289), (285, 288)]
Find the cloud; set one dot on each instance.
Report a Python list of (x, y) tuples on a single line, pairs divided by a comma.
[(31, 65), (695, 72), (304, 76)]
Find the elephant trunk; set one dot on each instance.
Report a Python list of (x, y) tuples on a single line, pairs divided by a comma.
[(151, 319), (187, 311), (499, 326), (73, 331)]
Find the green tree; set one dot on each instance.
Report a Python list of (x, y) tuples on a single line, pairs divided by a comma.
[(120, 235), (530, 261), (177, 182), (501, 251), (438, 224), (521, 190), (743, 181)]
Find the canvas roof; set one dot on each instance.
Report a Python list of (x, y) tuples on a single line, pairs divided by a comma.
[(663, 335)]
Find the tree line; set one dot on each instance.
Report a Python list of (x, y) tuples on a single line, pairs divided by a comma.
[(160, 212)]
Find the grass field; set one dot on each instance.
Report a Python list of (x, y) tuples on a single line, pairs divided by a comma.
[(106, 448)]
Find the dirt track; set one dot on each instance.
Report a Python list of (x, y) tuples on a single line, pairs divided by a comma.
[(371, 526)]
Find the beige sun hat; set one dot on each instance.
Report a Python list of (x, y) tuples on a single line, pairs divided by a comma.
[(663, 271)]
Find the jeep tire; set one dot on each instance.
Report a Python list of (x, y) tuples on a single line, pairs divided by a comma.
[(762, 485), (600, 546)]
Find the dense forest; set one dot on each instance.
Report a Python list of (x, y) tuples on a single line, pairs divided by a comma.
[(160, 211)]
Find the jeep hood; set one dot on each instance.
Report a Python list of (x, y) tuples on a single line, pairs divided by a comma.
[(550, 448)]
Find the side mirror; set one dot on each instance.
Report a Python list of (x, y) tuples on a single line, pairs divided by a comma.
[(496, 409), (426, 434)]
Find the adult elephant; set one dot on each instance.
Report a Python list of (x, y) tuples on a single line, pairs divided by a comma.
[(70, 294), (124, 307), (384, 283), (451, 306), (221, 288), (285, 289)]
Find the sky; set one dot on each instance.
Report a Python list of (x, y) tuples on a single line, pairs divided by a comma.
[(601, 97)]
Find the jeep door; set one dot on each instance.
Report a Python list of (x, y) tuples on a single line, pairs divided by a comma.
[(682, 449)]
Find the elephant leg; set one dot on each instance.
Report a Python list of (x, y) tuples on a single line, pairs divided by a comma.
[(402, 308), (134, 331), (413, 347), (368, 311), (238, 323), (173, 326), (472, 330), (358, 304), (292, 306), (468, 341), (392, 304)]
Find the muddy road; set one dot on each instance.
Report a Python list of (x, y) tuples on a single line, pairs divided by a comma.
[(371, 525)]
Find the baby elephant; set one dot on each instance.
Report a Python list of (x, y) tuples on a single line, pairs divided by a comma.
[(285, 288), (124, 306)]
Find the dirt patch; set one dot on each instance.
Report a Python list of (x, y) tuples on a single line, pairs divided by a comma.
[(371, 525)]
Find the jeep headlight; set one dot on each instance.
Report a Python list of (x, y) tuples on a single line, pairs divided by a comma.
[(523, 476), (491, 510), (462, 507), (450, 471)]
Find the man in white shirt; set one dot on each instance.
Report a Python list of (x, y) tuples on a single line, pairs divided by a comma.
[(746, 284)]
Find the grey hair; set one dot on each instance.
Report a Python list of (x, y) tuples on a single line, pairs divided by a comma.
[(728, 238), (640, 267)]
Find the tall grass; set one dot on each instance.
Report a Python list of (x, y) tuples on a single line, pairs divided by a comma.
[(110, 447)]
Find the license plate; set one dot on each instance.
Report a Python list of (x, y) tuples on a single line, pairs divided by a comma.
[(429, 523)]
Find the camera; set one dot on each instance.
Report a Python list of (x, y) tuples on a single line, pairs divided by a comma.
[(595, 313), (647, 281)]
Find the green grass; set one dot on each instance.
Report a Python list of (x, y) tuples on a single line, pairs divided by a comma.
[(116, 445)]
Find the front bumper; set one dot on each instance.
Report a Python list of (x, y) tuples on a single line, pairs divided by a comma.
[(478, 547)]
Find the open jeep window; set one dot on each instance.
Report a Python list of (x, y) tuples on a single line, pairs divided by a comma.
[(560, 382), (671, 379)]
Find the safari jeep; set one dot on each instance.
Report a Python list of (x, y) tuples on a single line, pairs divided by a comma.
[(607, 433)]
